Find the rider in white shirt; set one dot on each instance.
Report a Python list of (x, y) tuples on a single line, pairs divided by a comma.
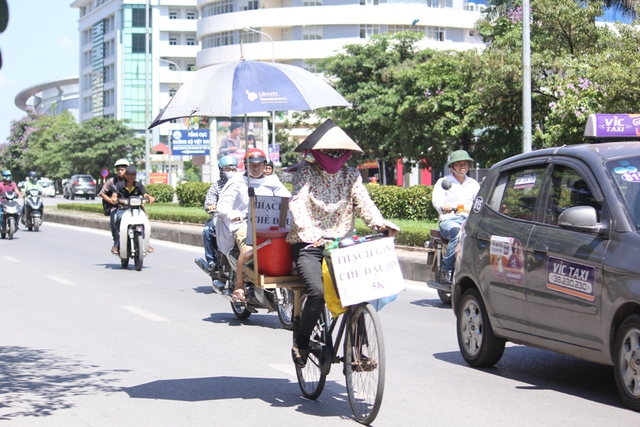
[(233, 208), (453, 205)]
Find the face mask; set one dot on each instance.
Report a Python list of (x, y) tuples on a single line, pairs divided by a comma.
[(229, 174), (330, 164)]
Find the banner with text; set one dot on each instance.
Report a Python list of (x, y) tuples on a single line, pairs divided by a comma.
[(367, 271), (194, 142)]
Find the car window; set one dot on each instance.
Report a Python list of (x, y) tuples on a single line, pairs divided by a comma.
[(517, 192), (626, 174), (568, 189)]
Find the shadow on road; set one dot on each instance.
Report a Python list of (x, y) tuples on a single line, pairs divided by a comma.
[(546, 370), (264, 320), (435, 303), (274, 391), (35, 382)]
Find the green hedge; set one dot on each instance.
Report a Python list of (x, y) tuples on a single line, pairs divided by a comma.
[(162, 192), (413, 203), (192, 194)]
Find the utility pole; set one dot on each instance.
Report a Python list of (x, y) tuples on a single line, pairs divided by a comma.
[(526, 79)]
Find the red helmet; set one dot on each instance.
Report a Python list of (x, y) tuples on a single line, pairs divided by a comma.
[(256, 155)]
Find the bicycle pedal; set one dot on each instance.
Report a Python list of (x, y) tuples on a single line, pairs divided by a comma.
[(364, 365)]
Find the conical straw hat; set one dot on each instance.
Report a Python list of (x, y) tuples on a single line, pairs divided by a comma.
[(328, 136)]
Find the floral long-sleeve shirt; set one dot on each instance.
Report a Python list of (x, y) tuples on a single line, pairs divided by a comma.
[(325, 204)]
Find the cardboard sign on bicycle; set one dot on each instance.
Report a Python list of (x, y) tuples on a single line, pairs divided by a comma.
[(270, 211), (367, 271)]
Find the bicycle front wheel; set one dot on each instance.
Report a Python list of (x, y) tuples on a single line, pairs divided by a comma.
[(312, 377), (364, 362)]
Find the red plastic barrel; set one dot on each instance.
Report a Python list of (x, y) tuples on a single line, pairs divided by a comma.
[(274, 259)]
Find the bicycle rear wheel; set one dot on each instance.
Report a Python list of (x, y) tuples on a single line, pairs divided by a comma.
[(364, 362), (312, 377)]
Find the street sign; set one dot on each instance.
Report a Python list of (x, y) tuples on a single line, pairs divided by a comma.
[(104, 172), (190, 142)]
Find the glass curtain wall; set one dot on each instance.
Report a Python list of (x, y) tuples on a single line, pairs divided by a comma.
[(135, 63)]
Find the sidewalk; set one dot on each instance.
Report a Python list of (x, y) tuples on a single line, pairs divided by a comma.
[(413, 261)]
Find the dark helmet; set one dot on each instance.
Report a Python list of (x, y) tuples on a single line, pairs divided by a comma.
[(33, 175), (256, 155)]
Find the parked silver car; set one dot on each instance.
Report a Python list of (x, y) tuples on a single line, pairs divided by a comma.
[(548, 256), (80, 186)]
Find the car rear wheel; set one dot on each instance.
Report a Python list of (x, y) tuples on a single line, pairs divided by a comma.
[(478, 344), (627, 361)]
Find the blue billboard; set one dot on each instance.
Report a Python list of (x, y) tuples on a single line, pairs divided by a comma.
[(193, 142)]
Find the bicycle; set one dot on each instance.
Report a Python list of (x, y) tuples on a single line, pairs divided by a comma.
[(363, 355)]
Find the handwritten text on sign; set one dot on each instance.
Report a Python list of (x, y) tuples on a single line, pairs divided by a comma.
[(367, 271), (268, 210)]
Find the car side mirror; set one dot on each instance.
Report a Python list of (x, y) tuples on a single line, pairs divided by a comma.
[(580, 218)]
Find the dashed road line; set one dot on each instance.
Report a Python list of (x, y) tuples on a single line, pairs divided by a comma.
[(144, 314), (61, 280)]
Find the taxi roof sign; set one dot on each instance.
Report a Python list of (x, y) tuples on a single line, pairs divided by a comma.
[(613, 126)]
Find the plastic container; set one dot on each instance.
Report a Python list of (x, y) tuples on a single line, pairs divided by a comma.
[(274, 259)]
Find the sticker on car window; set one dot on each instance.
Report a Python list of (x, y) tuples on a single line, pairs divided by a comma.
[(631, 177), (507, 259), (477, 204), (525, 180), (571, 278)]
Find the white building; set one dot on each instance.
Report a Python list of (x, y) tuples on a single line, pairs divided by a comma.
[(306, 29), (117, 76), (52, 97)]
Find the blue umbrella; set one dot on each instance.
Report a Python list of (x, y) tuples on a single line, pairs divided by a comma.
[(235, 88)]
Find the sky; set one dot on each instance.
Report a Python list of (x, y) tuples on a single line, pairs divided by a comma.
[(40, 44)]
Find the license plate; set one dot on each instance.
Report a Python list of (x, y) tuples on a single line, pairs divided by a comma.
[(80, 192)]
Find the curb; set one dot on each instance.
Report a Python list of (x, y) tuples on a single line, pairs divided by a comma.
[(413, 262)]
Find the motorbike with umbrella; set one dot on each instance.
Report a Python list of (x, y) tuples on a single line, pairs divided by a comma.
[(238, 88)]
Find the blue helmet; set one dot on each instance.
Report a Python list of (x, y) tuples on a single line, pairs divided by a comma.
[(33, 175), (6, 175), (226, 161)]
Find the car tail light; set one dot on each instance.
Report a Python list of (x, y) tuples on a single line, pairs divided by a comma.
[(76, 183)]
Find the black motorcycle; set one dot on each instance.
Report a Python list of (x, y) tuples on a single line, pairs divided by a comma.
[(223, 281), (33, 211), (10, 214)]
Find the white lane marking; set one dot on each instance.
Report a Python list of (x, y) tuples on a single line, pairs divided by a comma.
[(154, 242), (10, 258), (85, 229), (61, 280), (145, 314)]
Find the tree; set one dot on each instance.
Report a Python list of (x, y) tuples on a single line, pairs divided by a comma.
[(366, 76), (45, 154), (98, 142), (20, 138)]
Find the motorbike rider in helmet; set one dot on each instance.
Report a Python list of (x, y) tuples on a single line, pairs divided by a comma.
[(30, 184), (454, 204), (233, 208), (107, 191), (7, 185), (268, 170), (228, 165)]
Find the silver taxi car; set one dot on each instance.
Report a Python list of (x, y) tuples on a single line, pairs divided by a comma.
[(549, 255)]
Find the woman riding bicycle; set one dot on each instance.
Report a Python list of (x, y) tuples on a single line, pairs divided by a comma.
[(326, 196)]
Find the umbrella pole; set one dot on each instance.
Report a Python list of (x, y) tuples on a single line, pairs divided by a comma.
[(252, 204)]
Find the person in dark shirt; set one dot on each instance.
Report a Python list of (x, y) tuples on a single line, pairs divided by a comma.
[(125, 189)]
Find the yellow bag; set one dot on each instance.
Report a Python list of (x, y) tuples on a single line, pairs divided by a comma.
[(330, 295)]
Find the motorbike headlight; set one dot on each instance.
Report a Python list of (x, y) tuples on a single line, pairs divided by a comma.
[(135, 201)]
